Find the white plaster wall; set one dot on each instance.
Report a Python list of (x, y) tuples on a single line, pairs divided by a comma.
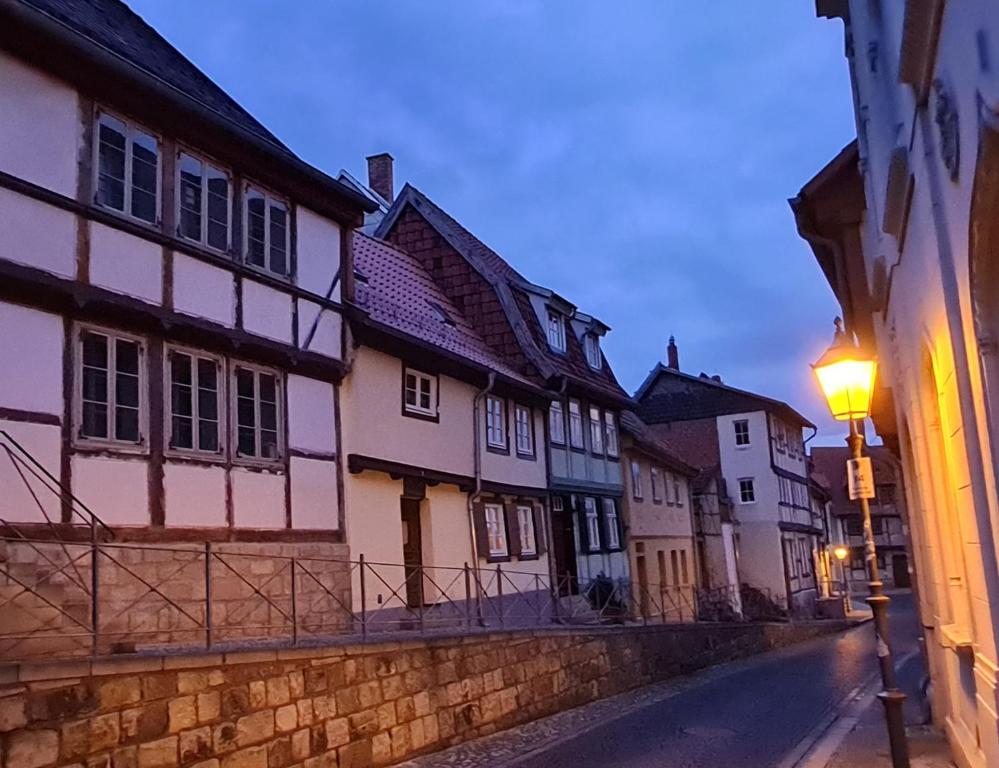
[(38, 234), (313, 494), (318, 252), (311, 415), (326, 337), (373, 424), (749, 461), (374, 529), (194, 495), (40, 130), (127, 264), (17, 504), (258, 499), (116, 490), (509, 468), (201, 290), (446, 542), (32, 342), (761, 560), (266, 311)]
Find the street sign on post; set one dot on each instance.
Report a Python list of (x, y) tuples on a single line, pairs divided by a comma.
[(860, 478)]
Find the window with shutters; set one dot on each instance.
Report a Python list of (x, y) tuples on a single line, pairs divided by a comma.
[(592, 516), (203, 202), (110, 378), (194, 404), (259, 411), (266, 231), (556, 423), (528, 536), (127, 168), (419, 393), (495, 530), (495, 422)]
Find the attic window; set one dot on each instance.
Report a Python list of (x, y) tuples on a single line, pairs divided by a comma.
[(441, 313), (556, 331), (592, 344)]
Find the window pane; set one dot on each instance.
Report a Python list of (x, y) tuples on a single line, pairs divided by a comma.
[(181, 403), (127, 357), (208, 435), (95, 350), (268, 444), (111, 163), (95, 420), (207, 404), (244, 383), (279, 242), (247, 442), (268, 388), (255, 226), (182, 435), (145, 163), (190, 197), (95, 385), (218, 209), (126, 421)]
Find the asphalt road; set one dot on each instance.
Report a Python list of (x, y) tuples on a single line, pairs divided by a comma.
[(755, 717)]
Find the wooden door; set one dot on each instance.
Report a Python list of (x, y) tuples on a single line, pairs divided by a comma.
[(412, 552), (900, 571), (564, 546)]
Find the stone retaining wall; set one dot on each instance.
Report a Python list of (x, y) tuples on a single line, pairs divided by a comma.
[(347, 706)]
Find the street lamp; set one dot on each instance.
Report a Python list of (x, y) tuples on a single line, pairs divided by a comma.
[(841, 552), (846, 374)]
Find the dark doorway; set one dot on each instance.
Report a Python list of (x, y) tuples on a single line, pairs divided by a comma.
[(564, 546), (900, 571), (412, 551)]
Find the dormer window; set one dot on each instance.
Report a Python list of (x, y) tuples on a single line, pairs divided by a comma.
[(592, 345), (556, 330), (441, 313)]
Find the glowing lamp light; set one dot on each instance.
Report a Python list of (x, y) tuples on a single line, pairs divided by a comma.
[(841, 553), (846, 374)]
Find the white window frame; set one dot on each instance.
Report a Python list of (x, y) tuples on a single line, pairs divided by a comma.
[(528, 536), (269, 197), (675, 480), (280, 394), (751, 487), (112, 336), (657, 497), (592, 515), (596, 423), (523, 420), (591, 344), (611, 524), (556, 423), (555, 330), (576, 439), (220, 397), (495, 521), (610, 435), (131, 128), (205, 165), (739, 443), (496, 426), (636, 480), (415, 408)]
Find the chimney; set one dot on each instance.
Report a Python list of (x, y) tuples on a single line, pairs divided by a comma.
[(672, 355), (380, 175)]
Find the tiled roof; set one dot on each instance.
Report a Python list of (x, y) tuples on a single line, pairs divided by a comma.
[(397, 292), (112, 25), (510, 287), (654, 444), (704, 398)]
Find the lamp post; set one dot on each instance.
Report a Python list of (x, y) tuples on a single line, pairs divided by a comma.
[(846, 375), (841, 552)]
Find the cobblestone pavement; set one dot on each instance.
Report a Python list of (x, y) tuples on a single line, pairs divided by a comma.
[(509, 748)]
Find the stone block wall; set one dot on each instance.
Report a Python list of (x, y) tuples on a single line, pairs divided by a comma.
[(349, 706), (151, 596)]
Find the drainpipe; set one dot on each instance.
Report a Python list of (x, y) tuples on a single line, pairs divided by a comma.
[(955, 325), (474, 496)]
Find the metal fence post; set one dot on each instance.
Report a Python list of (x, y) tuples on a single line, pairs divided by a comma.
[(499, 591), (537, 591), (208, 594), (364, 600), (468, 598), (419, 594), (294, 606), (95, 582)]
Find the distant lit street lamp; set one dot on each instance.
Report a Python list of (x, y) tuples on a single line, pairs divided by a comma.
[(846, 374), (841, 552)]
